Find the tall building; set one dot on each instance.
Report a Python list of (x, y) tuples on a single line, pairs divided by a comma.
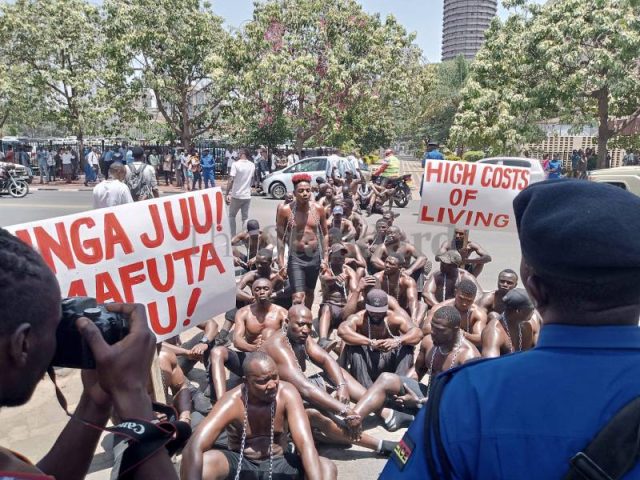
[(464, 23)]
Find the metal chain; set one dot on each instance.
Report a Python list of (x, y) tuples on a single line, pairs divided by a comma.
[(467, 323), (286, 337), (244, 431), (340, 284), (397, 286), (273, 416), (503, 321), (438, 350), (444, 288)]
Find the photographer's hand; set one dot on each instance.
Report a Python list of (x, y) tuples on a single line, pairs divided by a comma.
[(123, 371)]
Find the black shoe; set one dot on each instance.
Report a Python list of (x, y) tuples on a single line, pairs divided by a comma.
[(397, 421)]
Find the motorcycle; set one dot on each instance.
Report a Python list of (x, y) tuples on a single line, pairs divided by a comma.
[(402, 192), (16, 187)]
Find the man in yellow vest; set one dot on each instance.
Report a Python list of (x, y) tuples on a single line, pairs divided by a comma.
[(390, 167)]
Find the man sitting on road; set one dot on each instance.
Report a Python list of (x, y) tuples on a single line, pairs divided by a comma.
[(514, 330), (258, 417), (253, 325), (393, 242), (448, 350), (474, 265), (441, 285), (378, 341), (399, 285), (493, 301), (253, 240)]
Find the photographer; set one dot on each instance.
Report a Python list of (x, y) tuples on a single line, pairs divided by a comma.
[(29, 316)]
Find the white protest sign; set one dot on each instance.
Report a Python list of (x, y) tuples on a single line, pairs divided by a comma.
[(471, 195), (171, 254)]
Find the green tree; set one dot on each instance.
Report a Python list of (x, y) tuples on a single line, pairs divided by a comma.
[(324, 66), (571, 59), (171, 51), (57, 45)]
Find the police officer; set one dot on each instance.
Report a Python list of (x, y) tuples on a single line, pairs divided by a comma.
[(527, 415), (208, 164)]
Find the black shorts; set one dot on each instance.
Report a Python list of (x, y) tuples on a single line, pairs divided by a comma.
[(285, 467), (335, 314), (234, 362), (303, 271)]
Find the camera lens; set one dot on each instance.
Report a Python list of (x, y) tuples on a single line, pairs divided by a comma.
[(92, 313)]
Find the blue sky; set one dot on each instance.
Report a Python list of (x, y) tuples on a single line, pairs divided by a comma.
[(421, 16)]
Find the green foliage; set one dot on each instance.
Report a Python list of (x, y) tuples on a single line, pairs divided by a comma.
[(172, 52), (453, 157), (327, 69), (570, 59), (473, 156)]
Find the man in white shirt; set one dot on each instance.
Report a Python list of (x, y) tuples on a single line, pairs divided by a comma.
[(333, 162), (355, 164), (239, 189), (67, 165), (141, 177), (92, 167), (292, 158), (112, 192)]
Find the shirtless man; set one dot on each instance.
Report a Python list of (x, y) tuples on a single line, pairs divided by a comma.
[(372, 241), (393, 243), (492, 301), (377, 340), (473, 318), (449, 349), (441, 285), (356, 299), (303, 226), (473, 265), (253, 325), (399, 285), (338, 220), (253, 240), (331, 415), (514, 330), (328, 200), (355, 218), (337, 281), (257, 416), (354, 258)]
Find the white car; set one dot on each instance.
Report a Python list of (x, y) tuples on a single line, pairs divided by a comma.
[(533, 164), (278, 183)]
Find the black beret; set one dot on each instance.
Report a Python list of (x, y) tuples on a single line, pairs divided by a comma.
[(578, 230), (517, 299)]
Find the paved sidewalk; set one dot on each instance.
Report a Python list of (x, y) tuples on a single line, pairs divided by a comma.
[(78, 186)]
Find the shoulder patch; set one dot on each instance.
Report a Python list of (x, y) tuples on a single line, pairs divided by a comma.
[(403, 451)]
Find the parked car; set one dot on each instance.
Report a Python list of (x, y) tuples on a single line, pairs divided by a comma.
[(20, 171), (278, 183), (623, 177), (533, 164)]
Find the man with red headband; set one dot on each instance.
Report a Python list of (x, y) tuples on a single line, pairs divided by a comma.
[(302, 226)]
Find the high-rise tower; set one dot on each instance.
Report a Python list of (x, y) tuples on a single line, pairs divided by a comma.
[(463, 26)]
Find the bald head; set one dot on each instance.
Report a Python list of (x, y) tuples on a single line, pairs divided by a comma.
[(299, 311), (117, 170), (257, 363)]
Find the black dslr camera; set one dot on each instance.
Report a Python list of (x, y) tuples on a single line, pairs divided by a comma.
[(72, 351)]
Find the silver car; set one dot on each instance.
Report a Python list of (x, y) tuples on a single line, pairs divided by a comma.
[(533, 164), (278, 183)]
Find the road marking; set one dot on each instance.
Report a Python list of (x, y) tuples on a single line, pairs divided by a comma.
[(46, 205)]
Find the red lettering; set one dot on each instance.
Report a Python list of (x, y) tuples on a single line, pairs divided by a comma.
[(208, 215), (114, 235), (424, 217), (186, 222), (129, 280), (154, 275), (485, 179), (455, 197), (157, 226), (106, 290), (501, 221), (47, 245), (434, 169), (209, 258), (454, 219), (90, 250), (154, 317), (186, 256), (24, 236), (77, 289)]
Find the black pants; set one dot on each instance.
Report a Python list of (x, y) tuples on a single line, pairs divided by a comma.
[(366, 364)]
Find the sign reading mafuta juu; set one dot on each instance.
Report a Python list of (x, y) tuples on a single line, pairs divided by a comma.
[(171, 254), (471, 195)]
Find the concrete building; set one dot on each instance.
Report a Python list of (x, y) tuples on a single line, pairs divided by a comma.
[(463, 26)]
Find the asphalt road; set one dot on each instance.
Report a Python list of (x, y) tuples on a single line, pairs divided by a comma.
[(44, 418)]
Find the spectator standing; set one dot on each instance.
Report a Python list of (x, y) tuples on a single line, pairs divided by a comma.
[(92, 166), (239, 189), (184, 168), (141, 178), (230, 157), (195, 168), (43, 164), (51, 167), (154, 161), (112, 191), (74, 163), (554, 168), (167, 166), (433, 153), (292, 158), (208, 164), (545, 164), (575, 161), (177, 168), (67, 165), (629, 158), (107, 160), (10, 156)]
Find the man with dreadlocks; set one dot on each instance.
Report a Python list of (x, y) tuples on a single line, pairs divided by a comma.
[(406, 394), (515, 330), (331, 417), (302, 225), (473, 318), (257, 415)]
